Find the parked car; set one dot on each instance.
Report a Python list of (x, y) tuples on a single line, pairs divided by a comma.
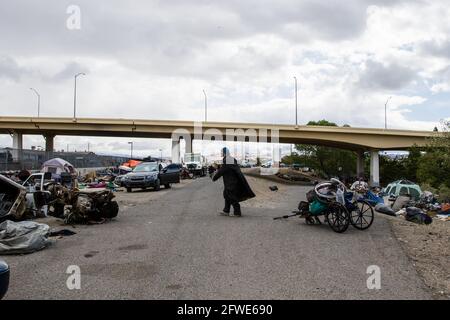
[(268, 164), (119, 180), (246, 165), (152, 175)]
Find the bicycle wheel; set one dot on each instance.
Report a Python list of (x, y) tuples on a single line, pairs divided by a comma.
[(338, 217), (362, 216)]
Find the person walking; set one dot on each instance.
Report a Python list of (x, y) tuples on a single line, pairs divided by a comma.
[(236, 187)]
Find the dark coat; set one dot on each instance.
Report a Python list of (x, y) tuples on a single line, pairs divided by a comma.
[(236, 187)]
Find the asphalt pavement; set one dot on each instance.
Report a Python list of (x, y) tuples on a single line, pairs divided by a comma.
[(176, 246)]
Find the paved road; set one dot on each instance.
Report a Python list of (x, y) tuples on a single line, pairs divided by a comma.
[(176, 246)]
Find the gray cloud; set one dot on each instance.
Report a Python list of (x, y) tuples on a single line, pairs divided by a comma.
[(390, 77), (435, 48), (69, 71), (9, 68), (151, 59)]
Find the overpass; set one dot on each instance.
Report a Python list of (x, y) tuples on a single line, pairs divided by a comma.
[(359, 140)]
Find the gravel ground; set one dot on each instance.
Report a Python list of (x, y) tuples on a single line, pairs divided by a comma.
[(428, 247)]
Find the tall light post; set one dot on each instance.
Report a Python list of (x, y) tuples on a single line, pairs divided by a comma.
[(75, 96), (296, 104), (206, 105), (385, 112), (39, 101), (131, 149), (160, 153)]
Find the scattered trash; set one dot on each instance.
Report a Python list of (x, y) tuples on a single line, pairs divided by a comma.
[(416, 215), (12, 198), (84, 206), (400, 202), (385, 209), (443, 217), (62, 233), (273, 188), (23, 237)]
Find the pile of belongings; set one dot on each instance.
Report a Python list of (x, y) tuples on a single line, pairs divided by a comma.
[(417, 215), (444, 212), (385, 209), (12, 198), (44, 197), (23, 237), (87, 206)]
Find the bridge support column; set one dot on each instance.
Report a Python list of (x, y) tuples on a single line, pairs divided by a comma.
[(359, 164), (374, 168), (49, 145), (17, 151), (176, 151), (188, 147)]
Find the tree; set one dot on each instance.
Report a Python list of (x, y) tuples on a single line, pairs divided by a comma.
[(434, 167), (291, 159), (327, 161), (411, 163)]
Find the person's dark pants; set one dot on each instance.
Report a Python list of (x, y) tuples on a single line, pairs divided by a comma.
[(236, 207)]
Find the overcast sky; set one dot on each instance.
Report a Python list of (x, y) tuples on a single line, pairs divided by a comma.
[(152, 59)]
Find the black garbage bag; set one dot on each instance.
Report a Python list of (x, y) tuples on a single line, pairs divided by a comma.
[(416, 215)]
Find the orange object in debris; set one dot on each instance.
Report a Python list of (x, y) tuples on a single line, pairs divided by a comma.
[(445, 207), (131, 163)]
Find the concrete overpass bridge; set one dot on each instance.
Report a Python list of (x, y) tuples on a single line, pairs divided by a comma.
[(359, 140)]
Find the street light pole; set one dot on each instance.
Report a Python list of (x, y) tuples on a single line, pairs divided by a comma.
[(75, 96), (385, 112), (160, 152), (39, 101), (296, 104), (206, 105), (131, 152)]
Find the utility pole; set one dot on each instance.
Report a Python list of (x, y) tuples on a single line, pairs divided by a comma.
[(131, 147), (38, 101), (385, 112), (75, 96), (206, 105), (296, 104)]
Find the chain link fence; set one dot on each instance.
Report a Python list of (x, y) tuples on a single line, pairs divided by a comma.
[(15, 159)]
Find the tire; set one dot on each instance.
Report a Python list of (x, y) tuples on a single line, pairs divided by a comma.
[(338, 217), (167, 186), (157, 185), (129, 189), (362, 217), (110, 210)]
